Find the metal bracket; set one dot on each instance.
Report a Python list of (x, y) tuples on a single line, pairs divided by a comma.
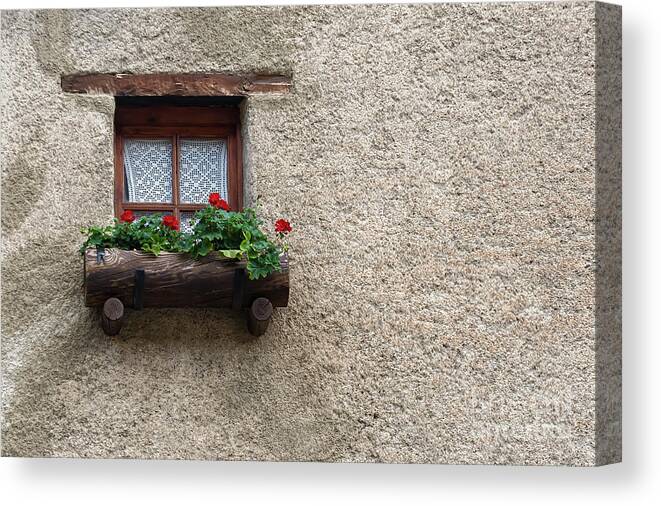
[(100, 255), (138, 288)]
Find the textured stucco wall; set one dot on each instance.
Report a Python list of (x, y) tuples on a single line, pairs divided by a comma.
[(455, 278)]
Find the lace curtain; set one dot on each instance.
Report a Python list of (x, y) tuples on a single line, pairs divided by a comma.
[(202, 169), (187, 221), (148, 169)]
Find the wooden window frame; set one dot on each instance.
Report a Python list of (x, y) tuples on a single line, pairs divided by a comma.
[(175, 122)]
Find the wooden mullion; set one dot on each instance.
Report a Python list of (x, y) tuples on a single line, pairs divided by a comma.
[(175, 175)]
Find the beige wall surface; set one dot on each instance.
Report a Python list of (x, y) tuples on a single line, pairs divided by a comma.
[(452, 173)]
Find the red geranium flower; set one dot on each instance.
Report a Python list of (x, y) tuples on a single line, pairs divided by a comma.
[(217, 202), (127, 216), (171, 222), (282, 226)]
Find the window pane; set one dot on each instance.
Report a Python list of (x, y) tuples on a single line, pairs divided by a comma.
[(202, 169), (140, 214), (187, 221), (148, 170)]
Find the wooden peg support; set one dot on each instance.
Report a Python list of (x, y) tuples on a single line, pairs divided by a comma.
[(177, 280), (259, 316), (112, 316)]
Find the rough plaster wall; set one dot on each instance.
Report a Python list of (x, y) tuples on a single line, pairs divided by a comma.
[(438, 165)]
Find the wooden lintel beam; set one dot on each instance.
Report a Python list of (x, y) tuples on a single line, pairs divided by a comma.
[(156, 85)]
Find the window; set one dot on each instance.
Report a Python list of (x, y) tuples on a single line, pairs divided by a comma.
[(170, 157)]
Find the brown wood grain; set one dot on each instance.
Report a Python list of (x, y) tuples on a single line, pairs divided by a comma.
[(176, 122), (234, 184), (162, 132), (237, 174), (259, 316), (173, 116), (176, 280), (112, 316), (118, 191), (176, 84)]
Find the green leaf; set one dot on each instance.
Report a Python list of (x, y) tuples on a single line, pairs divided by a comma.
[(232, 234), (231, 253), (204, 248)]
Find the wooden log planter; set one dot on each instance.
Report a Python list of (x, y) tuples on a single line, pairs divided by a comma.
[(115, 279)]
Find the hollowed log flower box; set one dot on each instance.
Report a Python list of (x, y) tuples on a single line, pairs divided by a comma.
[(115, 279)]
